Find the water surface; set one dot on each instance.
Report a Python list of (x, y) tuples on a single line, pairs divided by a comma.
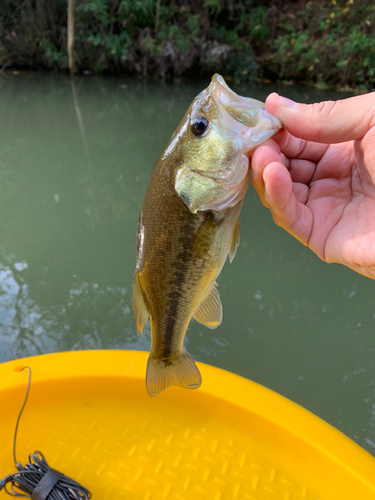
[(74, 167)]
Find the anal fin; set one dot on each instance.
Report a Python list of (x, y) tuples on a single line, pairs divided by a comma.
[(180, 370), (235, 241), (210, 310), (140, 312)]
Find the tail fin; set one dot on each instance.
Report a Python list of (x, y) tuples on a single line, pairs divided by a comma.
[(181, 370)]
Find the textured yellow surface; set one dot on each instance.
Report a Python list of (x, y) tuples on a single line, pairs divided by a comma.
[(89, 413)]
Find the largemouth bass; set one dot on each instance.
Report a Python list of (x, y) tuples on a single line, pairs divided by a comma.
[(189, 225)]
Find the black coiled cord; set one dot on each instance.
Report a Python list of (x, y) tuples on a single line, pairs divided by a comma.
[(37, 479), (38, 474)]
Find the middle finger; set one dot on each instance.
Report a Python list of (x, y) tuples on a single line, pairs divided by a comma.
[(296, 148)]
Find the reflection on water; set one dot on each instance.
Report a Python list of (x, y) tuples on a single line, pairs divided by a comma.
[(74, 166), (81, 321)]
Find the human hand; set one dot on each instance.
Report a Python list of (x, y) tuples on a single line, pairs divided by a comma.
[(317, 176)]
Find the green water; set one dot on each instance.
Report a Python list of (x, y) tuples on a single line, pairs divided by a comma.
[(73, 173)]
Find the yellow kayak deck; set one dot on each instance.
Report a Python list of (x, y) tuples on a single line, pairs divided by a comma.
[(89, 414)]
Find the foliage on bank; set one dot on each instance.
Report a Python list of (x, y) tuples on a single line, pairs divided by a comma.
[(322, 42)]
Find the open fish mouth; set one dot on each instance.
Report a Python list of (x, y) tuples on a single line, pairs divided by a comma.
[(244, 116)]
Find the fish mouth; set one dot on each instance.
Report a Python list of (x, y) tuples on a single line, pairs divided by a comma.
[(244, 116)]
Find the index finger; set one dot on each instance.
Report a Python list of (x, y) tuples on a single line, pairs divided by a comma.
[(326, 122)]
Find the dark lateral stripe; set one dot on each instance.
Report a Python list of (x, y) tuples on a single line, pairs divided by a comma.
[(173, 307), (179, 278)]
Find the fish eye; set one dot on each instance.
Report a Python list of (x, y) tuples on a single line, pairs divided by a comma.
[(199, 125)]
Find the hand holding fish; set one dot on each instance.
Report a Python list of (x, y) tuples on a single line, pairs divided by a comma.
[(325, 197)]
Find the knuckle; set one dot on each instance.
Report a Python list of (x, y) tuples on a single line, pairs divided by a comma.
[(320, 112), (324, 108), (370, 117), (285, 161), (302, 147)]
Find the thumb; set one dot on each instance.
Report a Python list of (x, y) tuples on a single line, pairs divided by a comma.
[(328, 121)]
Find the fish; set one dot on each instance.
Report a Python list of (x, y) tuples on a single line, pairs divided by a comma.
[(189, 225)]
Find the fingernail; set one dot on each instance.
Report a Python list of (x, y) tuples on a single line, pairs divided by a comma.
[(288, 102)]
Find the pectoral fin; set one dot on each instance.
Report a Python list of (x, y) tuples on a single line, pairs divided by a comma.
[(140, 312), (235, 241), (205, 235), (210, 310)]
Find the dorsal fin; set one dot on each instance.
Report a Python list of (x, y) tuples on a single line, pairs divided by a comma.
[(210, 310), (140, 312), (235, 241)]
